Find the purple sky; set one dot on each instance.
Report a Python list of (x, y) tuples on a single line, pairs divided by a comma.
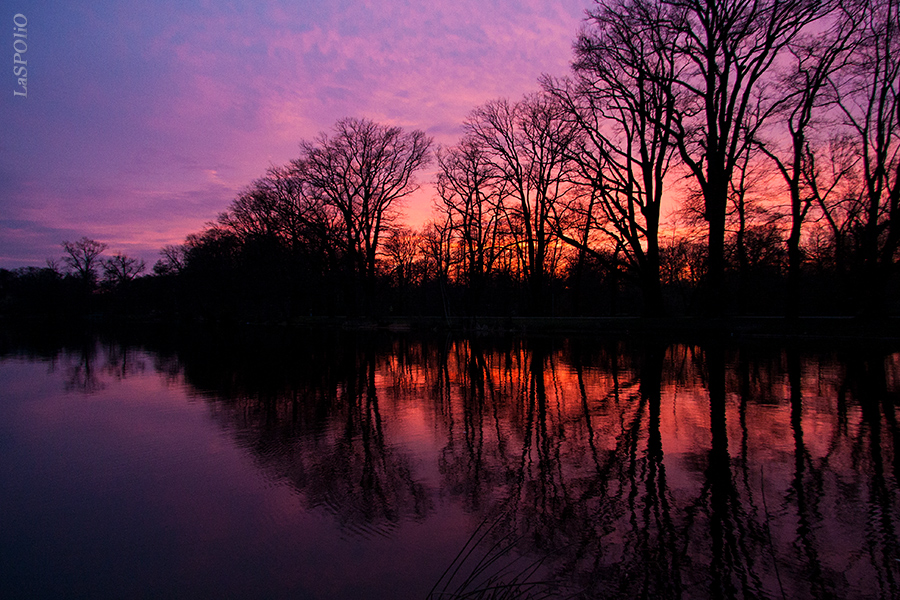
[(144, 119)]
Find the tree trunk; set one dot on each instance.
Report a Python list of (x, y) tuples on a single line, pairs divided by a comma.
[(714, 297)]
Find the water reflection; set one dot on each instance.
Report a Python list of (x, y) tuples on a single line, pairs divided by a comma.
[(630, 469)]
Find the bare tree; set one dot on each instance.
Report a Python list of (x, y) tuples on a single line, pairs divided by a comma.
[(361, 172), (623, 102), (120, 269), (830, 172), (725, 49), (527, 144), (403, 254), (471, 196), (299, 215), (83, 258), (437, 248), (172, 260), (53, 266), (814, 61), (869, 98), (287, 222), (254, 213)]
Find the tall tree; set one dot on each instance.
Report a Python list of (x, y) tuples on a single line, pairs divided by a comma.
[(471, 196), (831, 174), (280, 209), (812, 63), (83, 257), (527, 143), (623, 102), (725, 49), (362, 171), (403, 254), (869, 98)]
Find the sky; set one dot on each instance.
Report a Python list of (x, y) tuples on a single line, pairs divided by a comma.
[(143, 120)]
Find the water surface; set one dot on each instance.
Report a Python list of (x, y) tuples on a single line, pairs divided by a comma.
[(351, 466)]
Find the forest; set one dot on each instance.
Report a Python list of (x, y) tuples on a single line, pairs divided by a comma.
[(702, 157)]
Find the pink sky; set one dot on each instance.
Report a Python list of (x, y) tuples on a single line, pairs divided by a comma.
[(144, 119)]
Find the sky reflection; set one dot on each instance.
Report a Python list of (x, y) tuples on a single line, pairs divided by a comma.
[(655, 469)]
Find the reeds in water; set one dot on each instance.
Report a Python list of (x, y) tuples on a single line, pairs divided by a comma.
[(489, 568)]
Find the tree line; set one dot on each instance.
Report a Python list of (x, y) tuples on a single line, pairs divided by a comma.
[(702, 157)]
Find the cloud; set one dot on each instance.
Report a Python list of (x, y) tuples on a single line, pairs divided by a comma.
[(28, 243), (144, 119)]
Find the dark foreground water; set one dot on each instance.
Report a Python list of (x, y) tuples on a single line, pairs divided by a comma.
[(319, 466)]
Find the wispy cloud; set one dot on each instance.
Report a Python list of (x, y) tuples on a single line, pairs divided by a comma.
[(144, 119)]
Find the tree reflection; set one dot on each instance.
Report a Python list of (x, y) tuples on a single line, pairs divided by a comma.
[(630, 469), (719, 494), (867, 380), (314, 418), (82, 374), (805, 475)]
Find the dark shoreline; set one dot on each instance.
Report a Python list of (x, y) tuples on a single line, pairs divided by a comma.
[(675, 328), (751, 327)]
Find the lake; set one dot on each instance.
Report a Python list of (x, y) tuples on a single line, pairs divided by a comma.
[(376, 465)]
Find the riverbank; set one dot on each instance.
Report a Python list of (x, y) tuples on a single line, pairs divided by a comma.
[(761, 327), (671, 328)]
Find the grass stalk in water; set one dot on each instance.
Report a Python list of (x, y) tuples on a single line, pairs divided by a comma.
[(493, 573)]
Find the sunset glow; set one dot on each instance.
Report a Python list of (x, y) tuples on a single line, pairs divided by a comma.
[(143, 121)]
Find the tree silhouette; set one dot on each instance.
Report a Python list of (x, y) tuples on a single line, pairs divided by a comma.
[(623, 101), (814, 62), (470, 199), (724, 49), (869, 99), (361, 172), (120, 269), (527, 145), (83, 257), (709, 107)]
